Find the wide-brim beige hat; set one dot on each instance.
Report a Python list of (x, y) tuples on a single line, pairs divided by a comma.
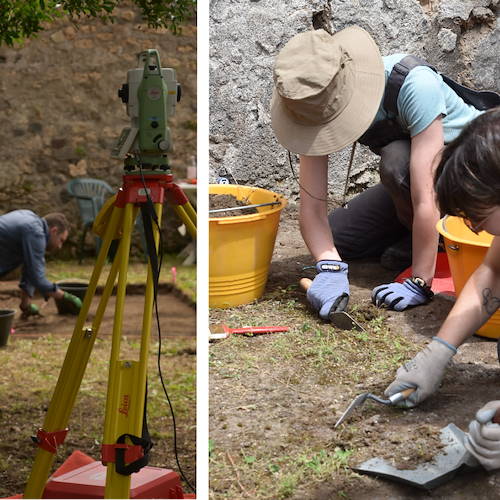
[(327, 90)]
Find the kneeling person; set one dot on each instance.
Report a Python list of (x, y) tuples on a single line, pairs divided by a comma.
[(467, 184), (24, 239)]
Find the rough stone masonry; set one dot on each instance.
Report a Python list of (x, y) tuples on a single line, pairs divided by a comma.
[(61, 114), (461, 38)]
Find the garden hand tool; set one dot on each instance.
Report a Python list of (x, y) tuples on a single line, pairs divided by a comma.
[(340, 320), (442, 468), (454, 459), (223, 332), (359, 400)]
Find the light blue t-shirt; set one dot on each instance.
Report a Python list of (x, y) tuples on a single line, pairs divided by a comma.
[(422, 98)]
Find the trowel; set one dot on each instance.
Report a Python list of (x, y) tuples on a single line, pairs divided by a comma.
[(395, 399), (341, 320)]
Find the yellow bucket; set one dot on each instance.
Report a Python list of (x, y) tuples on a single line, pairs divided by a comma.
[(241, 247), (466, 251)]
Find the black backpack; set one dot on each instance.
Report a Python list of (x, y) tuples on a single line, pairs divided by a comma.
[(389, 130)]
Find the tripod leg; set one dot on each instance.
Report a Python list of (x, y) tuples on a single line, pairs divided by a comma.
[(187, 215), (127, 379), (191, 212), (73, 369)]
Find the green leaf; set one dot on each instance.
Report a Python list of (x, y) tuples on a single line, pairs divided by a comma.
[(22, 19)]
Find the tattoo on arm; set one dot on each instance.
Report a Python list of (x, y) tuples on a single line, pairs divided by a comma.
[(490, 302)]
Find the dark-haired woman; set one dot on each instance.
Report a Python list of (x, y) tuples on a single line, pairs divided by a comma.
[(467, 184)]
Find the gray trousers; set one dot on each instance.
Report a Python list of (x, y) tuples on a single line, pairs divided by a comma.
[(381, 215)]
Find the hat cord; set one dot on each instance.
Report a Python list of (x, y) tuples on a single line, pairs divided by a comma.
[(344, 203)]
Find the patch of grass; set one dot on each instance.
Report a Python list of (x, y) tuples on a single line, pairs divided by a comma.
[(30, 372), (263, 475), (312, 358)]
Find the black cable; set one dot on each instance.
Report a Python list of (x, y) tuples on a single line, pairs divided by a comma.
[(154, 216)]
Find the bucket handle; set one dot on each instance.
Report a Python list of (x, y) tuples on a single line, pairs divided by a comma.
[(451, 247), (248, 218), (244, 207), (444, 223)]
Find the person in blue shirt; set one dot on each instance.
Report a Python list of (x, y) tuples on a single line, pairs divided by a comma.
[(24, 239), (329, 92)]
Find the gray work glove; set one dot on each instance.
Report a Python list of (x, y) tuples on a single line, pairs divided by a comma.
[(424, 372), (483, 438), (73, 302), (329, 291), (31, 310)]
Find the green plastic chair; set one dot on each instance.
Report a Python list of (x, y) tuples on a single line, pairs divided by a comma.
[(91, 194)]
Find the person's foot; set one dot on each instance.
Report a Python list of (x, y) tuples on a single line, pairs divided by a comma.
[(398, 257)]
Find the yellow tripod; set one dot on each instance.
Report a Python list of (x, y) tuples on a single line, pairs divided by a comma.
[(127, 378)]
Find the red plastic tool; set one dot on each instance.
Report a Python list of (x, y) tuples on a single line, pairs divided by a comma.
[(223, 331)]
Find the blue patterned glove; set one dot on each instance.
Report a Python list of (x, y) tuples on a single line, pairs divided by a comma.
[(399, 296), (329, 291)]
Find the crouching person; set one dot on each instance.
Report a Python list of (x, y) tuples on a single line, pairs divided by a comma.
[(24, 239), (467, 184)]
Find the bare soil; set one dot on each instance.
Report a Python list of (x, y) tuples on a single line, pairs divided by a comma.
[(23, 410), (264, 404), (174, 309)]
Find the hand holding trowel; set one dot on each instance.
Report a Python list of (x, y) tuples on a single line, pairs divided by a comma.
[(340, 320)]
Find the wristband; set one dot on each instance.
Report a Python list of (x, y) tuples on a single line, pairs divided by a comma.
[(445, 343), (423, 285)]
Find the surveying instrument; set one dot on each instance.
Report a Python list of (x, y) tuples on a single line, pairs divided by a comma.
[(151, 94)]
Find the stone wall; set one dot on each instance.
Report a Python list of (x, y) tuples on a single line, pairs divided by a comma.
[(61, 114), (461, 38)]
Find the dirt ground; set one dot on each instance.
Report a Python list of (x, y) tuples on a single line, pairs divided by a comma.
[(275, 406), (177, 319), (172, 307)]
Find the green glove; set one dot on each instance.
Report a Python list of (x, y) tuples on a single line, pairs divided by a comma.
[(31, 310), (73, 302)]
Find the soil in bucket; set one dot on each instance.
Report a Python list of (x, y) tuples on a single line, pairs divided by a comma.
[(241, 245), (75, 288), (224, 200), (6, 317)]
